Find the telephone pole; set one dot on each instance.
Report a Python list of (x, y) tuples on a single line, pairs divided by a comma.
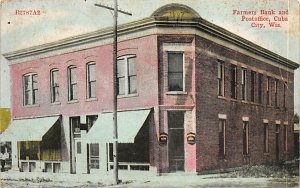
[(114, 72)]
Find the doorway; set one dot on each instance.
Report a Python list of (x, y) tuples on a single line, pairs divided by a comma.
[(176, 140)]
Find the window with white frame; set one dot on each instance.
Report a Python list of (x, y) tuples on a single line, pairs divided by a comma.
[(175, 71), (221, 78), (54, 86), (91, 80), (126, 75), (30, 89), (244, 84), (72, 83)]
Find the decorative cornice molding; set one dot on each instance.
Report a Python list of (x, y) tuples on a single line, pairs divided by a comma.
[(151, 22)]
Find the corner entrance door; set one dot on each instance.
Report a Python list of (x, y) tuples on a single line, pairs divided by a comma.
[(176, 140), (277, 142)]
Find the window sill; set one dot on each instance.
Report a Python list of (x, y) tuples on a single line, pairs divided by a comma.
[(266, 153), (91, 99), (73, 101), (31, 105), (55, 103), (176, 93), (127, 96), (244, 101)]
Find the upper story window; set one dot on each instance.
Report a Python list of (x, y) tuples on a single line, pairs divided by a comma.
[(244, 84), (276, 92), (91, 80), (175, 71), (126, 75), (284, 94), (233, 81), (30, 89), (253, 83), (72, 83), (54, 86), (259, 88), (268, 91), (221, 80)]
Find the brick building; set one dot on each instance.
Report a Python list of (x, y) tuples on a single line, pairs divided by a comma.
[(192, 97)]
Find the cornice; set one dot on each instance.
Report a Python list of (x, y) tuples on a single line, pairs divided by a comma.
[(150, 22)]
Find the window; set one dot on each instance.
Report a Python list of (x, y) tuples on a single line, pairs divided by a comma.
[(266, 137), (30, 89), (175, 71), (91, 80), (268, 91), (276, 92), (253, 82), (221, 88), (233, 81), (54, 86), (72, 83), (90, 120), (245, 138), (284, 94), (244, 84), (285, 136), (260, 88), (222, 138), (126, 75)]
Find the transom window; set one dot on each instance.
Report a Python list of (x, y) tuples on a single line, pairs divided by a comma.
[(91, 80), (175, 71), (126, 75), (30, 89), (54, 86), (72, 81)]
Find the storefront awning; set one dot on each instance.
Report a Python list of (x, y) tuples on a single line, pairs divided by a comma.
[(129, 124), (28, 129)]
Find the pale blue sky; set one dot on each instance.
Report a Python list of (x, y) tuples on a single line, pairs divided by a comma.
[(63, 18)]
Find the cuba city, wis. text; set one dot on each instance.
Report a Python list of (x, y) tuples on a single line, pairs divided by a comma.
[(263, 18)]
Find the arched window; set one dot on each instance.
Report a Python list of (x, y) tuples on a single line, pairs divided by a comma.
[(30, 89), (72, 83), (54, 85)]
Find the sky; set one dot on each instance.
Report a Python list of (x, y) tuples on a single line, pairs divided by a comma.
[(59, 19)]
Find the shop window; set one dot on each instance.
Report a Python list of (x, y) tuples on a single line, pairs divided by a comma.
[(72, 83), (233, 81), (91, 80), (126, 75), (54, 86), (222, 138), (175, 71), (244, 84), (30, 89), (29, 150), (90, 120), (221, 80), (245, 138)]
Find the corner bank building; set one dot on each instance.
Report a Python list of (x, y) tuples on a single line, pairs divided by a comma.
[(192, 97)]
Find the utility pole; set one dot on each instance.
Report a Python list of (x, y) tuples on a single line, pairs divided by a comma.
[(114, 72)]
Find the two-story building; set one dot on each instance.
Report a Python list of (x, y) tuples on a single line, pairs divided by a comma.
[(192, 97)]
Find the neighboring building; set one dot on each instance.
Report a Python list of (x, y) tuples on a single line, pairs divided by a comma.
[(192, 97), (296, 136), (4, 119)]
